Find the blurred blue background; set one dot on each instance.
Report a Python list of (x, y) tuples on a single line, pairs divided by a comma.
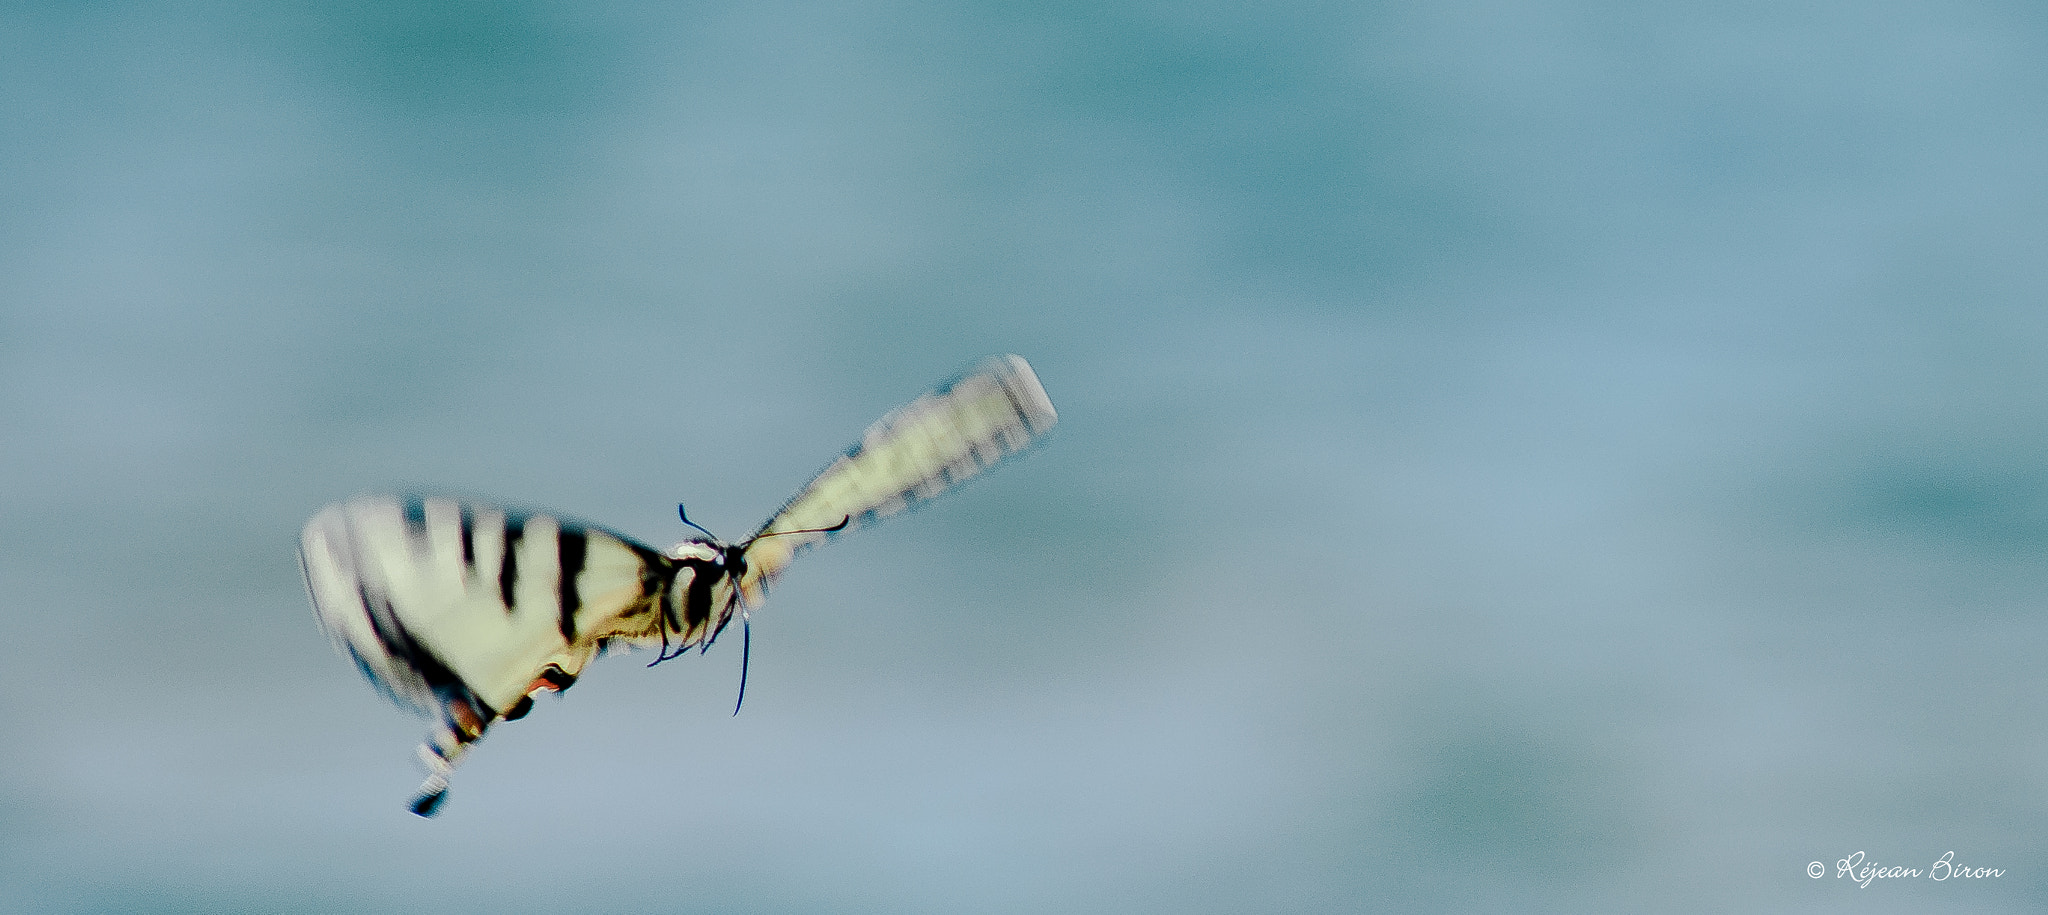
[(1514, 457)]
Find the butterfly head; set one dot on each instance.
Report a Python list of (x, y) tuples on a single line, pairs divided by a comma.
[(720, 560), (733, 560), (711, 559)]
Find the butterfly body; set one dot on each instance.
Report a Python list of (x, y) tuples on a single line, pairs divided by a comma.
[(464, 611)]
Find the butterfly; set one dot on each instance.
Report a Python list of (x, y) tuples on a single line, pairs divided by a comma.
[(465, 611)]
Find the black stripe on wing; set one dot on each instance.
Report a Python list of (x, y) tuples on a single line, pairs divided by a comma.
[(447, 686), (508, 565), (414, 509), (570, 546), (467, 520)]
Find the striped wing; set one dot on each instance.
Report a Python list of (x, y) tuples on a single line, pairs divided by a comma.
[(459, 609), (910, 455)]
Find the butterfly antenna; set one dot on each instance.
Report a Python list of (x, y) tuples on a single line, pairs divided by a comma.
[(686, 520), (836, 528)]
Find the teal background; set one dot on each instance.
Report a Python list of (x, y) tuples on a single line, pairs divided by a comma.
[(1552, 456)]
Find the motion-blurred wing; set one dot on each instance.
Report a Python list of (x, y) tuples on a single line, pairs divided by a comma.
[(911, 455), (458, 610)]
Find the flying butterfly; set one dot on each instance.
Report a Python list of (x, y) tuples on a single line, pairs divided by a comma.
[(464, 611)]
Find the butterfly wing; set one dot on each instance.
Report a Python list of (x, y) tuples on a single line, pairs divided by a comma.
[(459, 610), (914, 453)]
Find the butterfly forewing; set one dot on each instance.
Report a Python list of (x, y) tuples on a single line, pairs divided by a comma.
[(910, 455), (457, 608)]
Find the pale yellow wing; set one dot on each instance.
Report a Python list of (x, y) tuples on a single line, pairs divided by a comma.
[(456, 609), (910, 455)]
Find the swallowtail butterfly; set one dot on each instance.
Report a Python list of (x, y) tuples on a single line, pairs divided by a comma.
[(465, 611)]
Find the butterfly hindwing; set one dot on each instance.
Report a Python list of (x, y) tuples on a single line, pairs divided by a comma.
[(456, 608)]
